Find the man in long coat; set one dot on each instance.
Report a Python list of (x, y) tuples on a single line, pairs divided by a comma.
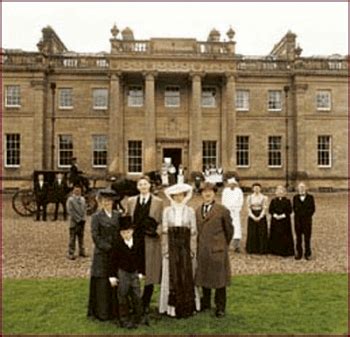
[(141, 208), (304, 208), (215, 231)]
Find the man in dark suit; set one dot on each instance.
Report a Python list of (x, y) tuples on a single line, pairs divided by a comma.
[(60, 191), (304, 208), (215, 232), (41, 190)]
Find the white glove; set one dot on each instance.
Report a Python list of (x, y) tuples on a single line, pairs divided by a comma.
[(140, 276), (113, 281)]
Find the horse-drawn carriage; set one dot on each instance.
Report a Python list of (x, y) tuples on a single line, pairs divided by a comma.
[(23, 201)]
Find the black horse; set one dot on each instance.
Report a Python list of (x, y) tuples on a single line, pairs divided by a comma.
[(123, 187)]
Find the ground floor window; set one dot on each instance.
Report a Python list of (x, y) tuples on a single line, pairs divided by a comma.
[(99, 151), (209, 154), (275, 151), (242, 151), (134, 156), (65, 150), (13, 150), (324, 154)]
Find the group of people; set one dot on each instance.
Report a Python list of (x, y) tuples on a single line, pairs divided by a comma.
[(170, 176), (277, 238), (182, 249)]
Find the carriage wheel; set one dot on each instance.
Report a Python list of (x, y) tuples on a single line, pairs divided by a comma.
[(91, 203), (23, 202)]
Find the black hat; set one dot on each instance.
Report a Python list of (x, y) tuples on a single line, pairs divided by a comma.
[(150, 225), (125, 223), (107, 193), (208, 186)]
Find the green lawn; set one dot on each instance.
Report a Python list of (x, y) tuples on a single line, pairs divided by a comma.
[(297, 303)]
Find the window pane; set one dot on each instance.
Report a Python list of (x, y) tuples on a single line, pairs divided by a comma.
[(242, 150), (275, 151), (275, 100), (134, 156), (99, 150), (135, 96), (66, 98), (209, 154), (65, 150), (172, 96), (208, 97), (13, 95), (324, 151), (100, 98), (13, 149), (242, 100), (323, 100)]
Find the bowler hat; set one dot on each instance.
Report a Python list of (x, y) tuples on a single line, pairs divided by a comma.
[(107, 193), (208, 186), (125, 222), (150, 225)]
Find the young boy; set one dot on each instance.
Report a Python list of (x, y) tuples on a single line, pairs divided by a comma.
[(125, 274)]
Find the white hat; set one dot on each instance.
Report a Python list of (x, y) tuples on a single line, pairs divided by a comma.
[(232, 181), (178, 188)]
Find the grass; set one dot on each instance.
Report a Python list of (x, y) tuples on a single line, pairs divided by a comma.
[(288, 303)]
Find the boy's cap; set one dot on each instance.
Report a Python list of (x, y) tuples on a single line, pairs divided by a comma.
[(125, 223)]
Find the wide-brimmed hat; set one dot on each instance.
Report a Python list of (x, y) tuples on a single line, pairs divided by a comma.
[(208, 186), (107, 193), (125, 222), (178, 188), (232, 181)]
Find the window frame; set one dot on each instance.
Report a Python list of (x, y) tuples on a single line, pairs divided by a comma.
[(7, 105), (130, 97), (66, 150), (65, 107), (329, 151), (6, 165), (209, 156), (133, 157), (178, 91), (271, 151), (269, 100), (248, 100), (318, 92), (207, 88), (97, 107), (241, 151), (96, 150)]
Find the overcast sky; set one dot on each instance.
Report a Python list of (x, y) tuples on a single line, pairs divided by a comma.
[(321, 28)]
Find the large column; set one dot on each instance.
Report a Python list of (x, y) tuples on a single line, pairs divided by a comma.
[(116, 127), (39, 123), (150, 124), (228, 124), (195, 121)]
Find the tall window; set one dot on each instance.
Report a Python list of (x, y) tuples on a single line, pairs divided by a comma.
[(65, 150), (209, 153), (242, 100), (134, 156), (65, 98), (275, 100), (275, 151), (242, 151), (324, 154), (135, 96), (208, 97), (12, 96), (99, 151), (13, 150), (172, 96), (323, 100), (100, 98)]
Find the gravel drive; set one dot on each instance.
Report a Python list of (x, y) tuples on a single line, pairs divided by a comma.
[(38, 249)]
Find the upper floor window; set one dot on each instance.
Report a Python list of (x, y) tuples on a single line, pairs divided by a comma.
[(135, 96), (172, 96), (208, 97), (65, 98), (134, 156), (324, 151), (12, 96), (100, 99), (242, 151), (242, 100), (323, 100), (65, 150), (102, 63), (70, 63), (275, 151), (275, 100), (99, 150), (13, 150)]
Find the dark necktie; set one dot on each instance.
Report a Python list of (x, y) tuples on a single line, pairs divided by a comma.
[(143, 201), (206, 210)]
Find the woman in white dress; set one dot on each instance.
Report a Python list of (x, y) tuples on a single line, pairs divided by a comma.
[(178, 296)]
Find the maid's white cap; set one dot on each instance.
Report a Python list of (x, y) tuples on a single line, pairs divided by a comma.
[(232, 181)]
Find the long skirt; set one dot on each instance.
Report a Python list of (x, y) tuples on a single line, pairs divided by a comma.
[(281, 238), (178, 295), (257, 235), (102, 299)]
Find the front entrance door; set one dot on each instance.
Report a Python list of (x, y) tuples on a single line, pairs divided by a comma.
[(175, 154)]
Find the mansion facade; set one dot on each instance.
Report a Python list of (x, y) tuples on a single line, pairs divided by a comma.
[(274, 119)]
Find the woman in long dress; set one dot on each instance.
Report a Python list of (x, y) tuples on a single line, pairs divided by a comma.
[(281, 237), (257, 223), (178, 296)]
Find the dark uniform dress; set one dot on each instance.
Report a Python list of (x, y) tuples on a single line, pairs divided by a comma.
[(257, 230), (281, 237), (104, 231)]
